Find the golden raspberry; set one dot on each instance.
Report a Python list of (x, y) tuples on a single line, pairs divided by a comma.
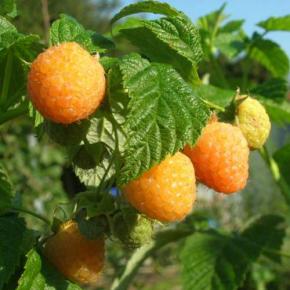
[(77, 258), (220, 157), (254, 122), (66, 83), (166, 192)]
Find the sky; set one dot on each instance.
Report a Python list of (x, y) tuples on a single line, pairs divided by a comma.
[(252, 11)]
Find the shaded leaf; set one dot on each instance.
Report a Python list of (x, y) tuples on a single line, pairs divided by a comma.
[(271, 56), (6, 191), (12, 236), (275, 89)]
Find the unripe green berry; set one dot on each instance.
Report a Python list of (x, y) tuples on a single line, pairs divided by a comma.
[(132, 229)]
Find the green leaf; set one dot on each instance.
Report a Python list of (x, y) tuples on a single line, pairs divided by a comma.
[(6, 191), (275, 89), (6, 26), (31, 271), (230, 44), (219, 262), (12, 237), (164, 115), (16, 50), (107, 62), (146, 6), (212, 21), (276, 23), (279, 111), (213, 262), (271, 56), (282, 157), (68, 29), (218, 96), (232, 26), (8, 8), (39, 274), (172, 40)]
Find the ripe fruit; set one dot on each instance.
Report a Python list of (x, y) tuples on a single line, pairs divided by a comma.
[(132, 229), (76, 257), (254, 122), (220, 157), (166, 192), (66, 83)]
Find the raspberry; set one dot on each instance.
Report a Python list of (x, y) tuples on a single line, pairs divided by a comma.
[(253, 121), (76, 257), (66, 83), (166, 192), (220, 157), (133, 229)]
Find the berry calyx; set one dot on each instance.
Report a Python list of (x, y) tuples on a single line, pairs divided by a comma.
[(66, 83), (253, 121), (166, 192), (77, 258), (220, 157)]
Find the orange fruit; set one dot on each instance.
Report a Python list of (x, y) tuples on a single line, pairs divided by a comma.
[(66, 83), (166, 192), (77, 258), (220, 157)]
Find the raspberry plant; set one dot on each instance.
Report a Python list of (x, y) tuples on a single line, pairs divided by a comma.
[(158, 101)]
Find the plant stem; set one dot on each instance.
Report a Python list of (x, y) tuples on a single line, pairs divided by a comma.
[(274, 168), (143, 253), (213, 106), (23, 210), (46, 19), (7, 78), (11, 114)]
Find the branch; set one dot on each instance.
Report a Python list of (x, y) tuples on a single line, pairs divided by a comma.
[(140, 255), (275, 171)]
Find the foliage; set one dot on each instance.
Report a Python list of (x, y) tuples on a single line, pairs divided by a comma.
[(159, 98)]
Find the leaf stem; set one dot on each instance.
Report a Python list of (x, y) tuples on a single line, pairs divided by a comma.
[(27, 211), (274, 168), (7, 78)]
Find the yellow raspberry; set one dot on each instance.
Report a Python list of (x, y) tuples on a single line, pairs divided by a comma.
[(253, 121), (77, 258), (221, 157), (66, 83), (166, 192)]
